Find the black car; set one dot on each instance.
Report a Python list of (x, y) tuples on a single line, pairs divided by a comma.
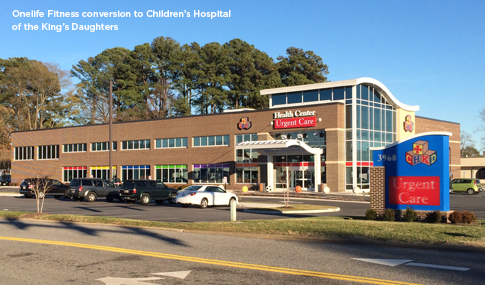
[(50, 186), (92, 188), (145, 191), (5, 180)]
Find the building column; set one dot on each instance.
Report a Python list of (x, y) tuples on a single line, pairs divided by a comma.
[(318, 170), (269, 169)]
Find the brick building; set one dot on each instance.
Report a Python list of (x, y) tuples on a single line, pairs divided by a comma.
[(311, 135)]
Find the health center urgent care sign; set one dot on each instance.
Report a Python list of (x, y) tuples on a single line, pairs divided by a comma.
[(297, 119), (417, 172)]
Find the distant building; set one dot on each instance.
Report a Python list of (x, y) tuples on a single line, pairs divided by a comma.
[(472, 167), (311, 135)]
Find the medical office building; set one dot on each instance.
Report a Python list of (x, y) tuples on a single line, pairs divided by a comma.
[(310, 135)]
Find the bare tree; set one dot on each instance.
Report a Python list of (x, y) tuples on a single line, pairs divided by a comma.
[(41, 186)]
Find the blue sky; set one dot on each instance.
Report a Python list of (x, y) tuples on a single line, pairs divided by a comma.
[(428, 53)]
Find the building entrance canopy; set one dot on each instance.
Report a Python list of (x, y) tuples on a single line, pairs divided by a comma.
[(278, 146), (275, 147)]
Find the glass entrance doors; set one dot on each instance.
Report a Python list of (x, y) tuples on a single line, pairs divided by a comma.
[(296, 176)]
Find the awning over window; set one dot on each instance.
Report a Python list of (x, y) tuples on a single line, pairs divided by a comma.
[(273, 146)]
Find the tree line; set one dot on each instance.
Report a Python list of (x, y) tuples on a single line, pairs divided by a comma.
[(164, 78)]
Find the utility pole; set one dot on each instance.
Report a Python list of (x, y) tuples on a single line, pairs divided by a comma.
[(110, 144)]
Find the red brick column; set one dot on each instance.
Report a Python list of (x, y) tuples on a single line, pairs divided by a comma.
[(378, 189)]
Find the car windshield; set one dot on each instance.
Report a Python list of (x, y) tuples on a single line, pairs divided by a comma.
[(193, 188), (161, 185)]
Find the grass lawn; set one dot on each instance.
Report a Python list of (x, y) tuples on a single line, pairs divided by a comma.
[(316, 227)]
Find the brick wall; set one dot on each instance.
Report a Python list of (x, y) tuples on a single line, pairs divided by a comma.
[(378, 189)]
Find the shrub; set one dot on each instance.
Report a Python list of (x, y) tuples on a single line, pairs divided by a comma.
[(371, 214), (389, 215), (468, 217), (409, 215), (434, 217), (455, 217)]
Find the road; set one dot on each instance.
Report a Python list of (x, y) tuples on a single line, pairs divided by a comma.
[(36, 252)]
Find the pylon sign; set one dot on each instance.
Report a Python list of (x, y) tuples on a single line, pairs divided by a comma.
[(417, 170)]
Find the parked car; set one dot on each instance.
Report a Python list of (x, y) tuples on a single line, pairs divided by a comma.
[(52, 187), (92, 189), (204, 195), (145, 191), (5, 180), (469, 185)]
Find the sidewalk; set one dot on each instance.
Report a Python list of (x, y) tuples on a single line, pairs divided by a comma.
[(346, 196)]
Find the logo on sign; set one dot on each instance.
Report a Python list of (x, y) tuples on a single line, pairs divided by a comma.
[(244, 124), (408, 124), (421, 154)]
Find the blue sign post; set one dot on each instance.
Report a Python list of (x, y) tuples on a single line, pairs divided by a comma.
[(417, 171)]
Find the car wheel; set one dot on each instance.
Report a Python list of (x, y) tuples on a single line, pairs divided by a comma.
[(41, 195), (145, 199), (470, 191), (91, 197), (28, 196), (204, 203), (185, 205), (230, 200)]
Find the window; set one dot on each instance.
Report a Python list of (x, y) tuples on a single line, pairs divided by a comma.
[(24, 153), (76, 147), (246, 161), (70, 173), (310, 96), (211, 141), (210, 173), (102, 172), (171, 143), (135, 172), (295, 97), (102, 146), (48, 152), (139, 144), (171, 173)]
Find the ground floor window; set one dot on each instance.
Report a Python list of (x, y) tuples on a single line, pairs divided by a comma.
[(211, 173), (362, 177), (247, 173), (135, 172), (171, 173), (102, 172), (70, 173)]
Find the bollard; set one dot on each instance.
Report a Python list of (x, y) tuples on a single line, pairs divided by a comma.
[(233, 210)]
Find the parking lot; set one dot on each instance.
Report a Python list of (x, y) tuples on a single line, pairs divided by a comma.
[(175, 213)]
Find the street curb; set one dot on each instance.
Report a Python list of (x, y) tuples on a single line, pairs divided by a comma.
[(334, 209)]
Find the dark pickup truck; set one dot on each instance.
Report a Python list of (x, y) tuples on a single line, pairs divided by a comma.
[(145, 191)]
